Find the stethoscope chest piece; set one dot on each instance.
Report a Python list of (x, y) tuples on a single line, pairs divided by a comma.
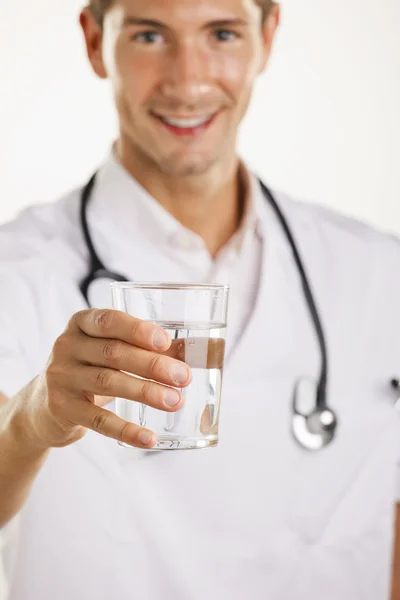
[(313, 425)]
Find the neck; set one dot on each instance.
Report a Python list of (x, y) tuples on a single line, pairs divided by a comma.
[(210, 204)]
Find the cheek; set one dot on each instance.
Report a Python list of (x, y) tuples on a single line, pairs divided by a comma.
[(132, 76), (237, 76)]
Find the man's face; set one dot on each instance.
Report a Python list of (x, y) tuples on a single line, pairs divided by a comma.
[(182, 72)]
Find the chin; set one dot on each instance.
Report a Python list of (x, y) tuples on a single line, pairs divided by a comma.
[(181, 167)]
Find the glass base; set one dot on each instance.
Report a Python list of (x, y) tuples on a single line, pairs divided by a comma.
[(165, 442)]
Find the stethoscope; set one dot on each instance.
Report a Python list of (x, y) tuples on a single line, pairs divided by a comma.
[(314, 423)]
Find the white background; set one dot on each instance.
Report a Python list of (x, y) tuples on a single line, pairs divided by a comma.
[(324, 124)]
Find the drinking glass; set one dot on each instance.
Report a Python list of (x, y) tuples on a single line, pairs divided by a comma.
[(195, 317)]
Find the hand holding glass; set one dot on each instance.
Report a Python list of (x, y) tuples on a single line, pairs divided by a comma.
[(195, 317)]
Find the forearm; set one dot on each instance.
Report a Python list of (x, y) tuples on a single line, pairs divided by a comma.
[(19, 463)]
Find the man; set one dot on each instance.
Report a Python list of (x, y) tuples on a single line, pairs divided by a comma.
[(257, 517)]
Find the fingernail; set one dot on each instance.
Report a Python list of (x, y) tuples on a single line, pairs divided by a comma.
[(160, 340), (180, 374), (145, 437), (171, 398)]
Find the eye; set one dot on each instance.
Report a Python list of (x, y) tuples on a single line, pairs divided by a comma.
[(225, 35), (148, 37)]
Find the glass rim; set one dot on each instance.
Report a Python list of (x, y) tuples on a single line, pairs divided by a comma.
[(146, 285)]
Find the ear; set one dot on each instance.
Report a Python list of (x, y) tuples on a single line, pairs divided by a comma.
[(94, 41), (269, 30)]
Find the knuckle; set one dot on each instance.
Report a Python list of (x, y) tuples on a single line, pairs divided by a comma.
[(61, 345), (105, 380), (104, 320), (156, 365), (81, 314), (135, 326), (139, 330), (122, 434), (147, 391), (112, 350), (56, 401), (54, 373), (100, 421), (77, 318)]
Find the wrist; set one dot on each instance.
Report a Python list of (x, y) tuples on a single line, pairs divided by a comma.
[(17, 432), (22, 437)]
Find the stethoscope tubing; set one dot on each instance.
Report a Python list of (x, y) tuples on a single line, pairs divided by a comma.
[(309, 429)]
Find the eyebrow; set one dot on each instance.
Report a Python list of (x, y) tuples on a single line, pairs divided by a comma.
[(129, 21), (227, 23), (146, 22)]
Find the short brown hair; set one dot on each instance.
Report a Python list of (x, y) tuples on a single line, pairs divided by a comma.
[(99, 7)]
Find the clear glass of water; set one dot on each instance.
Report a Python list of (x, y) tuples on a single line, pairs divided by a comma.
[(195, 317)]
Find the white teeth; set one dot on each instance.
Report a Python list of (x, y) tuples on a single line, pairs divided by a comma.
[(186, 123)]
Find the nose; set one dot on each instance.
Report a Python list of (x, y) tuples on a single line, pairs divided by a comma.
[(188, 73)]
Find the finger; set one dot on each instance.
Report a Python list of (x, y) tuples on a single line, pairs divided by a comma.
[(121, 356), (86, 414), (103, 400), (101, 381), (113, 324)]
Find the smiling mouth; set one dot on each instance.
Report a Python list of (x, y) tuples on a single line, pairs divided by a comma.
[(186, 126)]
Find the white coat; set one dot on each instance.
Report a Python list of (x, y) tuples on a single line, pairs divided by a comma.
[(256, 517)]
